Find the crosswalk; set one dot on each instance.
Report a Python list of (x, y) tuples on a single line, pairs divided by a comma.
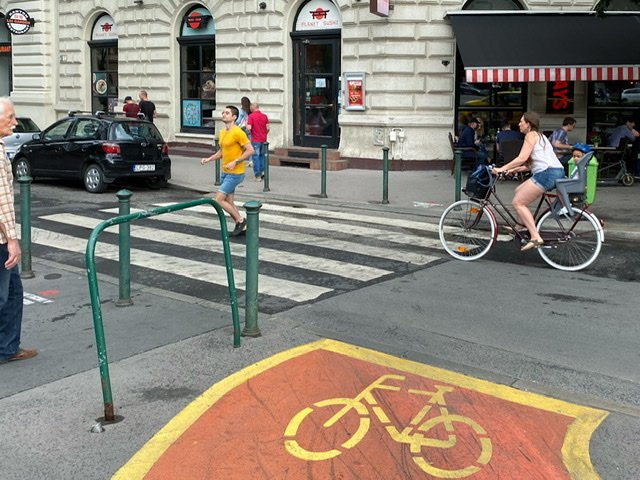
[(305, 254)]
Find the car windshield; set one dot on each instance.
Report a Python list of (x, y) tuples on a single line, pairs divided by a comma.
[(132, 131), (26, 125)]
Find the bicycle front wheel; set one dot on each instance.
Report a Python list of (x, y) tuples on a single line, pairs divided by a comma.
[(571, 243), (467, 230)]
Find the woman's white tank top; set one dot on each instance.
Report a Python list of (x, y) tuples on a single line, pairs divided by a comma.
[(543, 156)]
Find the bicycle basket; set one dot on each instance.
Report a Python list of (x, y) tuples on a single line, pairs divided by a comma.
[(478, 182)]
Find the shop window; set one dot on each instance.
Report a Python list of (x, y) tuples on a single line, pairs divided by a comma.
[(610, 104), (197, 71), (104, 65), (623, 6)]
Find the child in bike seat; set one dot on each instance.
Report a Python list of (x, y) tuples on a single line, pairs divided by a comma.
[(545, 169)]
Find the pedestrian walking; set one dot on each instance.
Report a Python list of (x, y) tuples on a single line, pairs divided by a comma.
[(243, 113), (130, 108), (10, 284), (258, 126), (235, 149), (147, 106)]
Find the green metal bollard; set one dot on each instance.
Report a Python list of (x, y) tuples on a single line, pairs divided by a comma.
[(458, 173), (252, 268), (266, 168), (25, 226), (124, 244), (216, 147), (385, 175), (323, 172)]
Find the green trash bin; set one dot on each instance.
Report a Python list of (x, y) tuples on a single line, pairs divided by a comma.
[(592, 178)]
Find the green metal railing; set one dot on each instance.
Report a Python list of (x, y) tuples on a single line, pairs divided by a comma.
[(95, 294), (457, 157), (25, 226)]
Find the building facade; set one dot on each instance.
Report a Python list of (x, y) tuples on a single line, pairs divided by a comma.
[(325, 71)]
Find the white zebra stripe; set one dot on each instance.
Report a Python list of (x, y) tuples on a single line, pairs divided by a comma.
[(391, 253), (207, 272), (307, 262), (391, 222)]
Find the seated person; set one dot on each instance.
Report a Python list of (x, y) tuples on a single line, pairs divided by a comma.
[(468, 138), (506, 134), (560, 140), (626, 130), (579, 151)]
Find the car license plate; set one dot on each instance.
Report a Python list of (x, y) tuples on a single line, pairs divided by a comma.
[(144, 168)]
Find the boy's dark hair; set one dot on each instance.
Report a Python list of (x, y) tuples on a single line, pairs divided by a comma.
[(568, 121), (234, 110)]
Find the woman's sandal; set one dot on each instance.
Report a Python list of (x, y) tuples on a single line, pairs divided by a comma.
[(532, 244)]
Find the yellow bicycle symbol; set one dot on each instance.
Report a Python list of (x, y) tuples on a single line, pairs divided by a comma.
[(414, 435)]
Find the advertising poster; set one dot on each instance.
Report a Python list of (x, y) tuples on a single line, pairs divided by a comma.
[(354, 91)]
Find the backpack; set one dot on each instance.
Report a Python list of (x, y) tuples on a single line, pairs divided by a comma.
[(478, 182)]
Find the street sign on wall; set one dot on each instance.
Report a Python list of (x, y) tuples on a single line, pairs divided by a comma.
[(18, 21)]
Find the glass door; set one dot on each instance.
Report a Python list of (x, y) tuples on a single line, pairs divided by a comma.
[(316, 91)]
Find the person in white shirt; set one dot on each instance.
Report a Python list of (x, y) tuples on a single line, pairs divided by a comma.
[(545, 168)]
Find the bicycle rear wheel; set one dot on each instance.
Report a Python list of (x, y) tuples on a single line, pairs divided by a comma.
[(467, 230), (571, 243)]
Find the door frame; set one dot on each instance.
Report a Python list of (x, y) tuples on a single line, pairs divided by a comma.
[(299, 41)]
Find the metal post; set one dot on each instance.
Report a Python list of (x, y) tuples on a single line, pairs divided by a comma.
[(266, 167), (252, 267), (385, 175), (216, 147), (458, 173), (124, 243), (25, 226), (323, 172)]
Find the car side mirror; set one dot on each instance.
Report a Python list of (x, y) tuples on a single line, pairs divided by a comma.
[(36, 136)]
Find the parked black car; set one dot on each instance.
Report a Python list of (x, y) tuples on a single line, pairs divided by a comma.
[(98, 149)]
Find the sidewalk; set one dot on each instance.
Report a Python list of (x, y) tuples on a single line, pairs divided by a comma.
[(422, 193)]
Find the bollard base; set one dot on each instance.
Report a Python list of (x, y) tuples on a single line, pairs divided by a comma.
[(124, 302), (27, 274), (318, 195), (251, 332)]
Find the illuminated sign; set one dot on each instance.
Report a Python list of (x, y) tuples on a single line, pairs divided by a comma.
[(560, 97), (105, 28), (5, 48)]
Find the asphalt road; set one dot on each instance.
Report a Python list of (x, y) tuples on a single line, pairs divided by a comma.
[(507, 318)]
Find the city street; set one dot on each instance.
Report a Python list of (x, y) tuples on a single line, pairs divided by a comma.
[(326, 272)]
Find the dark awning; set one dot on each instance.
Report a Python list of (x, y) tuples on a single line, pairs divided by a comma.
[(529, 46)]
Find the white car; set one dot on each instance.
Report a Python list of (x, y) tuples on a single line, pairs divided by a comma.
[(631, 95), (23, 133)]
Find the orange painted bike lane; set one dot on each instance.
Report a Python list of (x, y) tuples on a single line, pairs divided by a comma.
[(333, 410)]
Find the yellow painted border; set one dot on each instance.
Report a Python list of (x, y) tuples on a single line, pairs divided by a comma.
[(575, 450)]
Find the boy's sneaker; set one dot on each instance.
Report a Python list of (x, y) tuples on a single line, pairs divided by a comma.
[(240, 227)]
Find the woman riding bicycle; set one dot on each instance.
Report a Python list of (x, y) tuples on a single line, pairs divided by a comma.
[(545, 168)]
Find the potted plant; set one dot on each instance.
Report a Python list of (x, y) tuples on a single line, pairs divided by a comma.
[(596, 140)]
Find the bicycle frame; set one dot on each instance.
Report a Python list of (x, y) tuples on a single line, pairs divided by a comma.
[(547, 199)]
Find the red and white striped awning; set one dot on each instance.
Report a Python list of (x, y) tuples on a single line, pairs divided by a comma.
[(552, 74)]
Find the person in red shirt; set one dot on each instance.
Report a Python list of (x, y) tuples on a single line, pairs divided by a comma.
[(258, 125), (130, 108)]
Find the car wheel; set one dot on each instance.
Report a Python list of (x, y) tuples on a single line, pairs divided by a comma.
[(22, 168), (158, 182), (94, 179)]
